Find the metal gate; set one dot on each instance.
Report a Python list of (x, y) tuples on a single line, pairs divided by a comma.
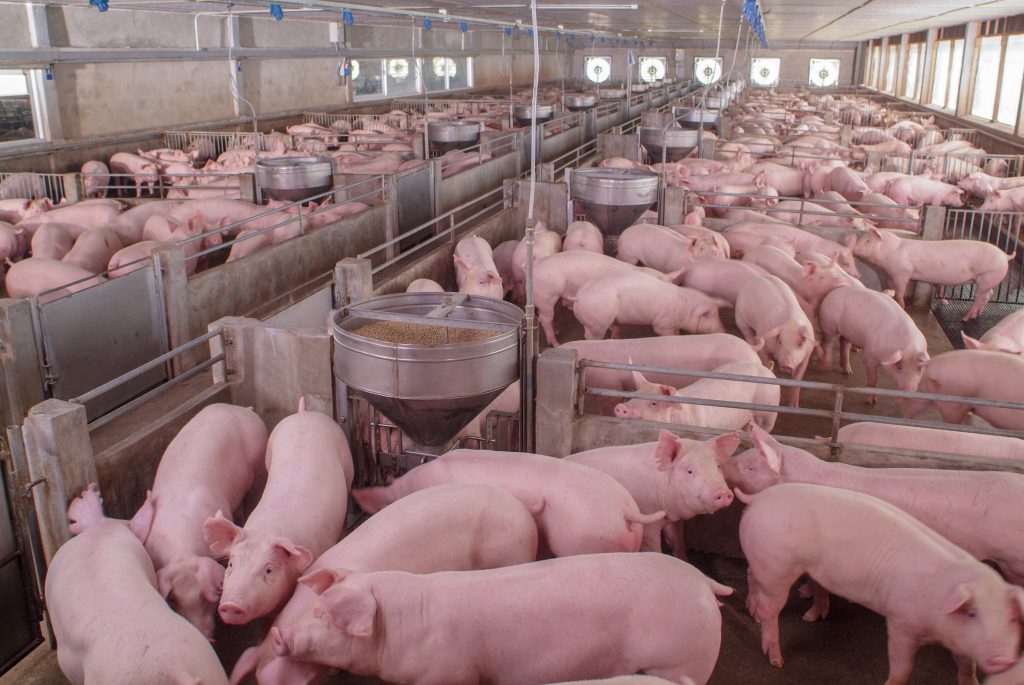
[(950, 303), (19, 597), (94, 336)]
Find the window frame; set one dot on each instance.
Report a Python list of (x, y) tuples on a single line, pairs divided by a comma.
[(428, 63), (34, 87), (993, 119)]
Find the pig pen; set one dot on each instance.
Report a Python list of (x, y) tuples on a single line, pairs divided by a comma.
[(69, 345)]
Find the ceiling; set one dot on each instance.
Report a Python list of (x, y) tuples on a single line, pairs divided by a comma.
[(787, 22)]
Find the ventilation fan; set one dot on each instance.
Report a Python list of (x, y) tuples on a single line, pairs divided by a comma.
[(824, 72), (599, 69), (398, 69), (443, 65), (764, 72), (652, 69), (355, 69), (707, 69)]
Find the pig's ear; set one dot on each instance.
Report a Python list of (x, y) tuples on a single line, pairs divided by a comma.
[(810, 268), (970, 343), (640, 382), (1018, 599), (725, 445), (768, 448), (318, 581), (851, 241), (211, 578), (220, 533), (295, 555), (995, 194), (460, 263), (668, 449), (164, 582), (923, 359), (892, 359), (760, 179), (352, 611), (143, 519), (958, 599), (493, 278)]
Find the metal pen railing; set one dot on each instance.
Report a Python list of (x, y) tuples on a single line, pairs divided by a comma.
[(435, 225), (836, 415), (160, 184), (222, 141), (495, 147), (32, 186)]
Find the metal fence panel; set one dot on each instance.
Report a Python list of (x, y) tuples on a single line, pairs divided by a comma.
[(415, 200), (950, 303), (32, 185), (100, 333)]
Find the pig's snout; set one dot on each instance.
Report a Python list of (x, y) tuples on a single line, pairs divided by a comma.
[(998, 664), (723, 497), (622, 411), (786, 369), (279, 643), (232, 613)]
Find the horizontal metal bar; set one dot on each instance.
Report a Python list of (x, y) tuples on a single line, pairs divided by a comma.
[(678, 399), (155, 392), (139, 370)]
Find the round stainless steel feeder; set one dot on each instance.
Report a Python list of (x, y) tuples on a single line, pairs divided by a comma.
[(429, 391), (522, 113), (614, 198), (445, 136), (575, 102), (611, 93), (714, 102), (677, 142), (293, 178), (639, 88), (692, 117)]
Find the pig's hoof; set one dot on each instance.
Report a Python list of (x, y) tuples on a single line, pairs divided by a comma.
[(847, 371), (872, 400), (812, 615)]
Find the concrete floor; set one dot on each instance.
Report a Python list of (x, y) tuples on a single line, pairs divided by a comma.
[(849, 648)]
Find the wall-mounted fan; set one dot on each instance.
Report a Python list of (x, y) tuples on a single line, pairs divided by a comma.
[(764, 71), (443, 66), (355, 69), (598, 69), (824, 72), (398, 69), (652, 69), (707, 69)]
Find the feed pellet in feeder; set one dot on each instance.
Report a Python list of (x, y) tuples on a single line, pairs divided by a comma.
[(406, 333)]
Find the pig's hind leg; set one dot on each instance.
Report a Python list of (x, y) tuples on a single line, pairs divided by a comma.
[(769, 582)]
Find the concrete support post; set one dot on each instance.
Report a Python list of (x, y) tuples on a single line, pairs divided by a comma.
[(725, 127), (933, 226), (235, 70), (353, 281), (73, 187), (968, 70), (546, 173), (556, 402), (845, 134), (673, 209), (60, 460), (169, 264), (21, 378), (247, 187), (925, 70), (44, 91)]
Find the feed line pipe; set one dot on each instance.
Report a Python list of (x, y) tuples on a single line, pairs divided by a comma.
[(530, 351)]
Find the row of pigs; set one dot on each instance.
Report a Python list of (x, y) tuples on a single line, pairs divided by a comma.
[(442, 584)]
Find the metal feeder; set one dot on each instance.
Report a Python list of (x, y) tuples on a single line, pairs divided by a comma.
[(522, 113), (445, 136), (575, 102), (694, 117), (429, 391), (676, 142), (614, 198), (611, 93), (293, 178)]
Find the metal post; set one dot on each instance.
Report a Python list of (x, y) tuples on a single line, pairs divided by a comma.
[(353, 281), (21, 373), (933, 226), (44, 92)]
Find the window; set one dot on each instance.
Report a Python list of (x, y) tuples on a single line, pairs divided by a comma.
[(823, 73), (392, 77), (874, 65), (597, 69), (652, 69), (401, 77), (915, 56), (940, 81), (367, 77), (707, 70), (446, 73), (890, 69), (954, 73), (764, 71), (16, 120), (984, 103), (1013, 71)]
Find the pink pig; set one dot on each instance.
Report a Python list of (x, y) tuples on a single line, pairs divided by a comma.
[(874, 554), (475, 271), (51, 241), (771, 319), (707, 416), (424, 532), (210, 465), (917, 190), (84, 214), (112, 625), (503, 261), (30, 277), (14, 242), (974, 373), (545, 244), (560, 276), (922, 439), (95, 178), (847, 183), (626, 614), (637, 298), (677, 476), (810, 282), (721, 279), (583, 235), (694, 231), (137, 170), (300, 515), (941, 262), (1006, 336), (14, 211), (578, 510), (661, 248), (874, 322), (424, 285), (93, 249)]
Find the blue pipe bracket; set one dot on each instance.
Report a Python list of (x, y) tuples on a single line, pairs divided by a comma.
[(276, 12)]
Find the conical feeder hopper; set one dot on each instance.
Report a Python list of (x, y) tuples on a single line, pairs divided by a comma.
[(431, 362), (614, 198), (676, 142)]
